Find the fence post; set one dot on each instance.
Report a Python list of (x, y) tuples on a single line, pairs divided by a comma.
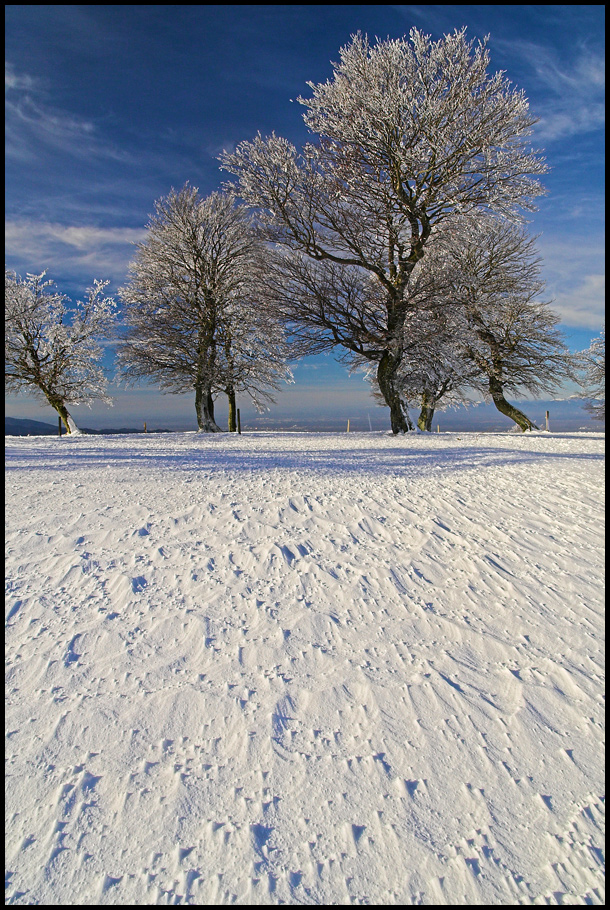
[(145, 430), (547, 420), (238, 422), (347, 431)]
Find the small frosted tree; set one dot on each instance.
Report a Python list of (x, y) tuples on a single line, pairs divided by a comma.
[(253, 351), (409, 132), (592, 364), (512, 339), (193, 319), (52, 350)]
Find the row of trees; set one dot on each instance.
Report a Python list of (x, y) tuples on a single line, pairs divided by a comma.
[(207, 309), (394, 239)]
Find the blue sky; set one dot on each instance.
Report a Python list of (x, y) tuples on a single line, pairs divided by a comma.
[(108, 107)]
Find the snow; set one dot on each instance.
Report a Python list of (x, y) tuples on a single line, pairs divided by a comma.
[(304, 668)]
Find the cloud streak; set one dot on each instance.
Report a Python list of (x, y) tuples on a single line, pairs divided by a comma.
[(17, 82), (574, 272), (34, 127), (32, 246), (572, 92), (583, 305)]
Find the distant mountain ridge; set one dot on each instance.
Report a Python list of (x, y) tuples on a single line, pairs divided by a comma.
[(19, 426)]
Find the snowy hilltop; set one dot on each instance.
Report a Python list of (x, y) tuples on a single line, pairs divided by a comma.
[(305, 668)]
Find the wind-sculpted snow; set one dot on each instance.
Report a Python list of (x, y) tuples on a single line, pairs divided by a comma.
[(305, 668)]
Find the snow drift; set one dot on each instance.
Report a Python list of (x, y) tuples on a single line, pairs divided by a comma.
[(304, 668)]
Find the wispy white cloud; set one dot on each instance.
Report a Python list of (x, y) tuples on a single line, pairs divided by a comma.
[(428, 15), (564, 124), (17, 82), (215, 149), (83, 238), (58, 127), (97, 252), (572, 90), (34, 126), (583, 305), (574, 272)]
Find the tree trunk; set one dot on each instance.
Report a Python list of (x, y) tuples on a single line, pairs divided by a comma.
[(62, 410), (204, 400), (497, 394), (230, 393), (208, 410), (386, 379), (204, 408), (424, 421)]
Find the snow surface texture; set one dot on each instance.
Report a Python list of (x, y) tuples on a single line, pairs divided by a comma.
[(305, 668)]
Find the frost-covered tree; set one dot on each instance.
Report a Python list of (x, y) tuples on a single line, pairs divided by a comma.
[(191, 309), (52, 350), (512, 339), (592, 364), (409, 132)]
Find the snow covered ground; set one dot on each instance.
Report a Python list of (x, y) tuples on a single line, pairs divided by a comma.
[(298, 668)]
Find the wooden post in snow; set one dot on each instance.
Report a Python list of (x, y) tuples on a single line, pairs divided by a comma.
[(238, 422), (547, 420), (145, 430), (347, 431), (438, 428)]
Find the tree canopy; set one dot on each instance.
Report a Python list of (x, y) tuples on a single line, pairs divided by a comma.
[(409, 133), (194, 317)]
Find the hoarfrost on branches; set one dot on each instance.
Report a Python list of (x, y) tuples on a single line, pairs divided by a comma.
[(410, 132), (435, 372), (193, 307), (592, 364), (513, 341), (51, 350)]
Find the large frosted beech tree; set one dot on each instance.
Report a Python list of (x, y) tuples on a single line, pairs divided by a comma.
[(409, 132), (193, 317), (51, 348)]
